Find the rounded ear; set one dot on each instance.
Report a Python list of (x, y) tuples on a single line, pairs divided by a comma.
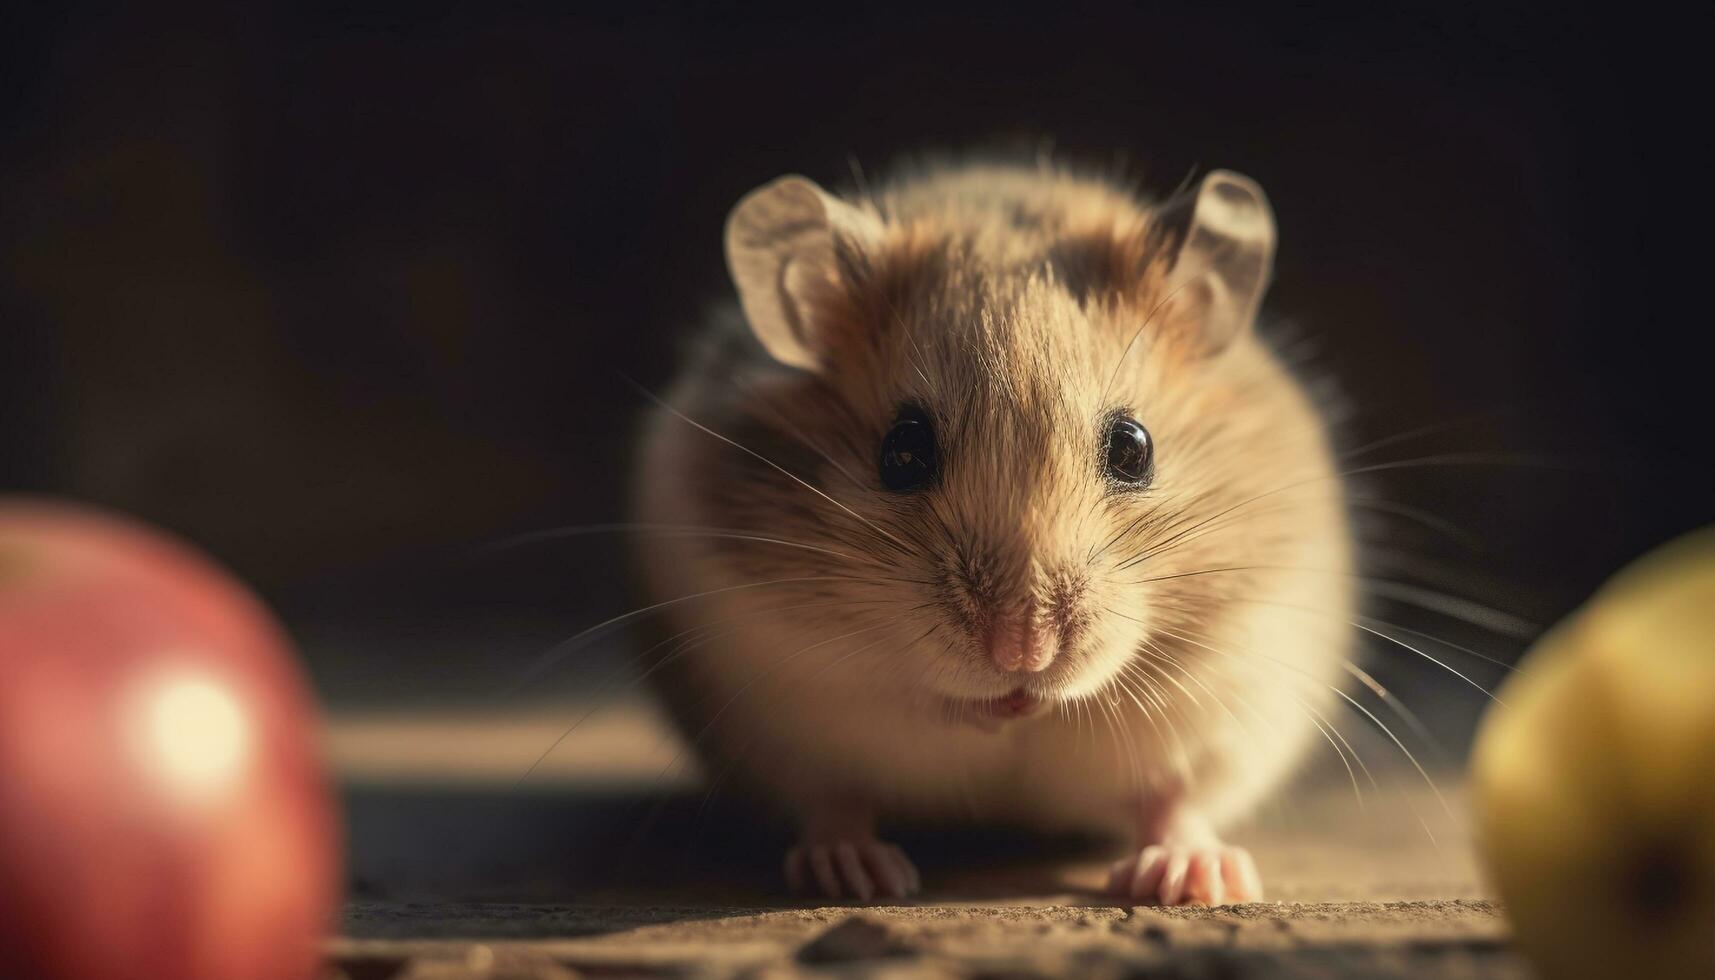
[(787, 244), (1224, 256)]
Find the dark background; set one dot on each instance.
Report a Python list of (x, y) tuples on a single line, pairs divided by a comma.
[(341, 298)]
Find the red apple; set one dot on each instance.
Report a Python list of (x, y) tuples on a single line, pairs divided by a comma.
[(163, 808)]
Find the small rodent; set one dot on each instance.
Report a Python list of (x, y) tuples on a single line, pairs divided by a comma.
[(993, 506)]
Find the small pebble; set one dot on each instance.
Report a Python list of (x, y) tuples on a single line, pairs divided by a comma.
[(857, 938)]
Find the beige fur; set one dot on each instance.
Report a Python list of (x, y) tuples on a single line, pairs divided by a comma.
[(1018, 307)]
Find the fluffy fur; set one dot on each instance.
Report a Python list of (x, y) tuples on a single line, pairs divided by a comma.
[(838, 645)]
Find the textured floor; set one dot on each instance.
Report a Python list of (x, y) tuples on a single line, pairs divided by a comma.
[(1415, 939), (603, 865)]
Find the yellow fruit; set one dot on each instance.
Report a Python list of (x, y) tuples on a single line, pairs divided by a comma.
[(1595, 781)]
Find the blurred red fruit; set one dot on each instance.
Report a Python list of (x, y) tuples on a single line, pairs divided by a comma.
[(163, 810)]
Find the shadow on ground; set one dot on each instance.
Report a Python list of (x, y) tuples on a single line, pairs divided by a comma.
[(628, 847), (555, 882)]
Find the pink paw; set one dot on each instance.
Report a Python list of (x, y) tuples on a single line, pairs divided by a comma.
[(1212, 874), (862, 869)]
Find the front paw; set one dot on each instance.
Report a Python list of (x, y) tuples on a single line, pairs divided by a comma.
[(1203, 874), (860, 868)]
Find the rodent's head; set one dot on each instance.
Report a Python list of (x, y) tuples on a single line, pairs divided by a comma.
[(1027, 406)]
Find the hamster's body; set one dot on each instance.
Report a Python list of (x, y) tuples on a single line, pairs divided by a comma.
[(1005, 626)]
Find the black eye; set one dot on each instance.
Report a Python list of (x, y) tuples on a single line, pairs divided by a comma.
[(1131, 456), (909, 462)]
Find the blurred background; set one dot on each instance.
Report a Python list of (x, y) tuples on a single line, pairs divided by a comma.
[(345, 298)]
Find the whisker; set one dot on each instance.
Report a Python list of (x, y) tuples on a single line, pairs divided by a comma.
[(1375, 632), (1518, 459), (670, 530), (1148, 317), (1156, 696), (1399, 708), (1504, 665), (1116, 729), (1434, 660), (566, 647), (1454, 607), (903, 547), (747, 685), (1324, 726), (612, 690), (1430, 781), (1444, 459), (1111, 716), (727, 769), (781, 418), (1382, 726), (1416, 432), (1322, 723), (1457, 607)]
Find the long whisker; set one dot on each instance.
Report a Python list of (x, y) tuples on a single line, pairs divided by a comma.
[(1409, 755), (1151, 650), (1433, 788), (903, 547), (715, 784), (1148, 317), (612, 690), (1455, 607), (1322, 723), (1116, 729), (1504, 665), (1445, 459), (566, 647), (1101, 704), (1156, 696), (667, 530), (1399, 708), (1393, 508), (1375, 632), (1146, 521), (721, 777), (1434, 660), (781, 418), (1417, 432), (1325, 726), (789, 658)]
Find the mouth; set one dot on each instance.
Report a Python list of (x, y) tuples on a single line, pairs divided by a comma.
[(991, 714)]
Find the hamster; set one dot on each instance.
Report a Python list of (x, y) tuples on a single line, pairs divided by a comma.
[(996, 508)]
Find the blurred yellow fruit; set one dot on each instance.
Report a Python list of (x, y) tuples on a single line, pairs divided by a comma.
[(1595, 782)]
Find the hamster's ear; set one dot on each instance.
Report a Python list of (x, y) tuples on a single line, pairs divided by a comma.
[(1225, 254), (790, 246)]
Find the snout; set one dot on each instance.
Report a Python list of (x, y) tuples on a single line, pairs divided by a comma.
[(1021, 612), (1022, 642)]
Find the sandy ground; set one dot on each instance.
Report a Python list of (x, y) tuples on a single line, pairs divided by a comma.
[(609, 860)]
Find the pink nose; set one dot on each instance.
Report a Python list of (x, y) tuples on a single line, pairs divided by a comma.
[(1020, 645)]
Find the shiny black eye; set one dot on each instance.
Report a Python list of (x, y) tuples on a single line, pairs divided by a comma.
[(909, 462), (1131, 456)]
